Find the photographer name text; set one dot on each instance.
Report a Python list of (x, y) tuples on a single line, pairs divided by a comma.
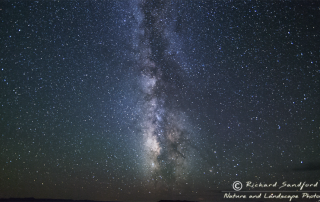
[(283, 185)]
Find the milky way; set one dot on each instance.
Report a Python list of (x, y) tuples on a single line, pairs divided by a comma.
[(164, 124)]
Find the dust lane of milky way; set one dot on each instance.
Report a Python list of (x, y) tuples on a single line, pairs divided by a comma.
[(164, 125)]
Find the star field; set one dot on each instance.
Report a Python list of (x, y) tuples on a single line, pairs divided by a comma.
[(156, 100)]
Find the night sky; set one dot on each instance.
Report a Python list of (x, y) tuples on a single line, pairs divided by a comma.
[(150, 100)]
